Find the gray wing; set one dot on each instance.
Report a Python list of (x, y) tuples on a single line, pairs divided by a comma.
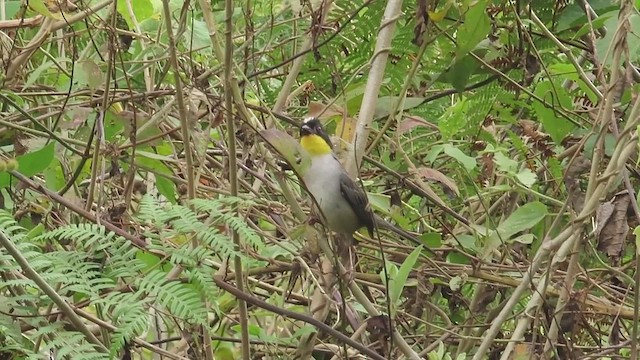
[(357, 199)]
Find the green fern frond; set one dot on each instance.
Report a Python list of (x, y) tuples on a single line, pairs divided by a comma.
[(180, 299), (217, 213), (148, 208), (131, 316), (188, 256), (180, 217), (246, 233), (72, 345), (203, 282), (10, 226), (86, 235)]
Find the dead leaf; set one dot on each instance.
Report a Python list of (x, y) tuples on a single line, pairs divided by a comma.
[(603, 214), (612, 236), (578, 166), (324, 112), (346, 129), (412, 122), (449, 186), (78, 115)]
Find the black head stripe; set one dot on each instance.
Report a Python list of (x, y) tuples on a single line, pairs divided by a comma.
[(313, 125)]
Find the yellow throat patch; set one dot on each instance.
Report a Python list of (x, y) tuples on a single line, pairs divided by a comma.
[(315, 145)]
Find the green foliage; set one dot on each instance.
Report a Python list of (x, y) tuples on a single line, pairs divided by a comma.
[(488, 159), (89, 263)]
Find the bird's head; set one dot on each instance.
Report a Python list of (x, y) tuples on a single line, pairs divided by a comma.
[(313, 138)]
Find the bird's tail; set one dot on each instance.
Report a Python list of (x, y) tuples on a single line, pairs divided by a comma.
[(384, 224)]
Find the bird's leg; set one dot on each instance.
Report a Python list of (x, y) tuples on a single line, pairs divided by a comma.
[(347, 255)]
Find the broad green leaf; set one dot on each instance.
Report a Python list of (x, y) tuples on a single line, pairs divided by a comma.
[(460, 73), (36, 161), (89, 73), (437, 354), (468, 162), (468, 242), (604, 46), (431, 240), (35, 232), (523, 239), (113, 126), (200, 34), (590, 143), (526, 177), (53, 176), (489, 244), (597, 23), (566, 71), (504, 163), (166, 188), (573, 15), (524, 218), (454, 119), (49, 8), (153, 162), (380, 202), (556, 126), (399, 281), (475, 28), (151, 261), (11, 8), (304, 330), (155, 156), (384, 104)]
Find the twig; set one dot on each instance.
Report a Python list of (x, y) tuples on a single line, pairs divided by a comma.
[(391, 15), (78, 210), (297, 316), (243, 315), (186, 135)]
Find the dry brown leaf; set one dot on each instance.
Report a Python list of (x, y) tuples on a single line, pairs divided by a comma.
[(521, 352), (449, 187), (346, 129), (614, 230), (412, 122), (322, 112), (577, 167)]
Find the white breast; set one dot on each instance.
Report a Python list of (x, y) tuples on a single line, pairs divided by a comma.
[(323, 182)]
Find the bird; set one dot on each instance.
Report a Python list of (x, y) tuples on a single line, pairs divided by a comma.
[(341, 202)]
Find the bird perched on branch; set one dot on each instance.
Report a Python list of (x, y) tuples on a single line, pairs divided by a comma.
[(339, 200)]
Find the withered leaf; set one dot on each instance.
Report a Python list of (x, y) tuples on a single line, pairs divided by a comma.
[(448, 186), (613, 234)]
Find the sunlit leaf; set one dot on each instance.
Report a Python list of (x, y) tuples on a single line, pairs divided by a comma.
[(289, 148)]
